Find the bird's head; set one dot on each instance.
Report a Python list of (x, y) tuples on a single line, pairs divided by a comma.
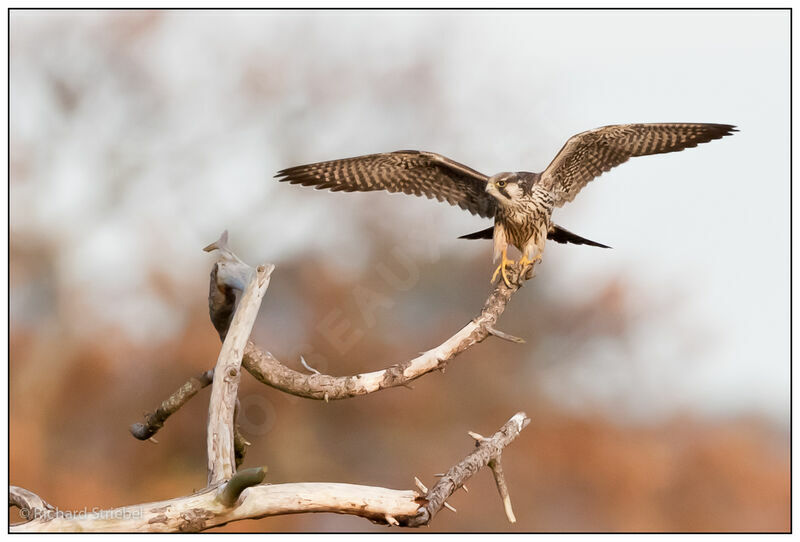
[(505, 188)]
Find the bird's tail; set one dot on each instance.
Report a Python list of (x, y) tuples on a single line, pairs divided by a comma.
[(488, 233), (560, 235), (556, 233)]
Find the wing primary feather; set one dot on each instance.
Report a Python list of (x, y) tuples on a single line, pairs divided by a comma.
[(417, 173), (588, 155)]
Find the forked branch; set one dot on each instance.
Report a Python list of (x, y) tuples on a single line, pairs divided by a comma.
[(225, 386), (235, 295), (487, 452), (226, 288), (244, 497)]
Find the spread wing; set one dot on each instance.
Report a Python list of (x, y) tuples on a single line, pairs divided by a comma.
[(412, 172), (589, 154)]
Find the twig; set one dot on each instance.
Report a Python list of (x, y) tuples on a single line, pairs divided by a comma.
[(505, 336), (497, 469), (487, 449), (221, 455), (309, 367), (155, 421)]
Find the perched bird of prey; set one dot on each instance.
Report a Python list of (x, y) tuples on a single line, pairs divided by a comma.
[(520, 202)]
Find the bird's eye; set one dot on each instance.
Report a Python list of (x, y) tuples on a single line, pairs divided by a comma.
[(501, 184)]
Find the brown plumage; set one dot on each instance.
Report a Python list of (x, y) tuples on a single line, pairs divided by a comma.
[(589, 154), (418, 173), (521, 202)]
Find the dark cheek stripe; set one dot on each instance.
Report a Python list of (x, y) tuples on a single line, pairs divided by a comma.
[(504, 192)]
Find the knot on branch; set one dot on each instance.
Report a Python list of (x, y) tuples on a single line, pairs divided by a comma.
[(229, 492)]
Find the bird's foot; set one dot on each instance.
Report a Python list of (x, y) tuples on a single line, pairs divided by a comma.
[(501, 269), (526, 266)]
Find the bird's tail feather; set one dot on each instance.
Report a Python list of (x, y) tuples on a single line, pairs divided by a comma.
[(488, 233), (556, 233), (560, 235)]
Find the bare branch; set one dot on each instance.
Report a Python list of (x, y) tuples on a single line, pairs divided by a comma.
[(241, 498), (506, 336), (221, 455), (203, 510), (155, 421), (487, 450), (235, 295), (266, 368)]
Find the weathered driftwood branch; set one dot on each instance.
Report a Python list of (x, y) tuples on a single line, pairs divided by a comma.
[(225, 385), (487, 452), (234, 297), (204, 510), (244, 498)]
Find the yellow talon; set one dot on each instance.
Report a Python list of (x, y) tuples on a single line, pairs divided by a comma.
[(502, 269), (524, 261)]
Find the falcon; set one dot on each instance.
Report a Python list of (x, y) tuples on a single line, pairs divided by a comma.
[(520, 202)]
